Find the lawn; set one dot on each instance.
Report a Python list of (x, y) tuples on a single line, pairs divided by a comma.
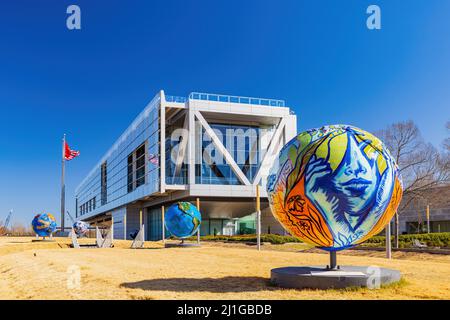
[(213, 271)]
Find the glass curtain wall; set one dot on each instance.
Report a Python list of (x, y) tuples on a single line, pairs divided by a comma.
[(126, 171), (242, 142), (174, 138)]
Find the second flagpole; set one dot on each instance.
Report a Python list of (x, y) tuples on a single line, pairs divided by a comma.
[(63, 186)]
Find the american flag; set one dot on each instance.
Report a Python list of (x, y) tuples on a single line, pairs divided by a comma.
[(69, 154), (153, 158)]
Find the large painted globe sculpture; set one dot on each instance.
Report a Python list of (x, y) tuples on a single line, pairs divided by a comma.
[(182, 219), (44, 224), (80, 228), (334, 187)]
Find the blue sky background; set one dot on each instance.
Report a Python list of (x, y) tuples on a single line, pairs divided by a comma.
[(317, 55)]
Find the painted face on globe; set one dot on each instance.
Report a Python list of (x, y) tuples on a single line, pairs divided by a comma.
[(334, 187), (355, 180)]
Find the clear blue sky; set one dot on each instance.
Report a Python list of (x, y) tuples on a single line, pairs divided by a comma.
[(317, 55)]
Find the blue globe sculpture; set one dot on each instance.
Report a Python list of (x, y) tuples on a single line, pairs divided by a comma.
[(80, 228), (44, 224), (182, 219)]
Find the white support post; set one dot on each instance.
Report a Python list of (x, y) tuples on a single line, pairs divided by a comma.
[(198, 230), (388, 241), (258, 218), (163, 225), (112, 228), (192, 144), (125, 226), (162, 142), (141, 223)]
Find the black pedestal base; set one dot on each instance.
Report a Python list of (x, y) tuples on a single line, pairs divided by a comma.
[(317, 277)]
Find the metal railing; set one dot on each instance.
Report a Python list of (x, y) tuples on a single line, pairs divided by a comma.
[(176, 99), (236, 99)]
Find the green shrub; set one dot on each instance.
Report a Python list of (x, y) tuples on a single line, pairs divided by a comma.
[(406, 240), (272, 238)]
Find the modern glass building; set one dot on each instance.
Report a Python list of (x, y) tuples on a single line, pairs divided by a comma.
[(216, 148)]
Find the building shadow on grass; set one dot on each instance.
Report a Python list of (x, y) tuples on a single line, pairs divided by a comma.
[(216, 285)]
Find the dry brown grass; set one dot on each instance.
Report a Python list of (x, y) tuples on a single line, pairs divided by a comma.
[(213, 271)]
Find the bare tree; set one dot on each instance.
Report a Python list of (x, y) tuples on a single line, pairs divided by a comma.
[(18, 229), (447, 141), (2, 228), (422, 166)]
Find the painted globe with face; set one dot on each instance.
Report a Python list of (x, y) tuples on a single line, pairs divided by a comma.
[(182, 219), (80, 228), (44, 224), (334, 187)]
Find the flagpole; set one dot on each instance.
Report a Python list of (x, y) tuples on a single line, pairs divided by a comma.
[(63, 186)]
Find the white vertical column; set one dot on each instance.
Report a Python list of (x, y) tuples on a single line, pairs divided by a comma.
[(162, 143), (198, 230), (112, 227), (141, 225), (388, 241), (163, 225), (191, 144), (258, 218), (125, 226)]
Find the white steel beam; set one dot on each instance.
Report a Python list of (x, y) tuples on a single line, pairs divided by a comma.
[(191, 144), (273, 149), (162, 142), (221, 148)]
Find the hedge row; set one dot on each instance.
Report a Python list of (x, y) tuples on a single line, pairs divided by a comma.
[(431, 239), (272, 238), (406, 240)]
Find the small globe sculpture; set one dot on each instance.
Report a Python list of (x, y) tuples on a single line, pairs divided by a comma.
[(80, 228), (334, 187), (44, 224), (182, 219)]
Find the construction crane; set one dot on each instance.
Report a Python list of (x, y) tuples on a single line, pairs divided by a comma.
[(6, 224)]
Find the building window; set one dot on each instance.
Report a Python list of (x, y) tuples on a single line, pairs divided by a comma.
[(130, 173), (104, 184), (140, 166), (243, 144), (136, 168)]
